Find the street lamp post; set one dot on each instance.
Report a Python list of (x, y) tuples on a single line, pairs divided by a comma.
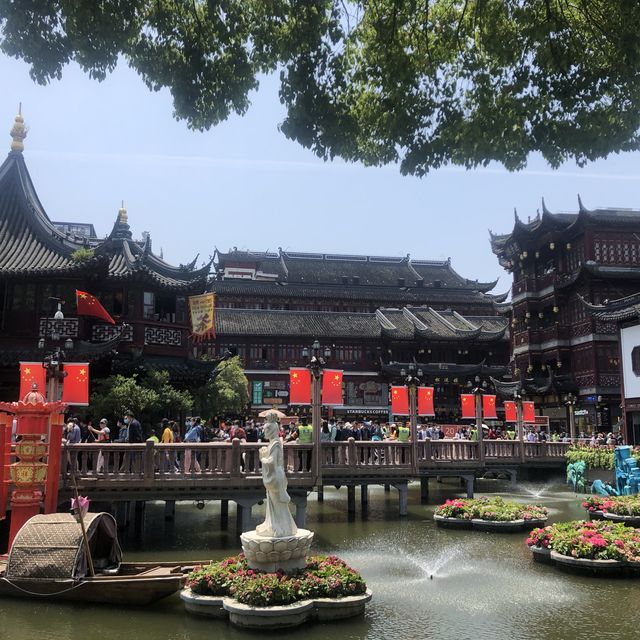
[(412, 380), (53, 361), (316, 365), (478, 390), (517, 397), (570, 400)]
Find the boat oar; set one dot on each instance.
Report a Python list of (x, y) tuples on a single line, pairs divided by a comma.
[(80, 516)]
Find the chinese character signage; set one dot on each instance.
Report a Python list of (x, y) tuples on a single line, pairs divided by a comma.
[(202, 313)]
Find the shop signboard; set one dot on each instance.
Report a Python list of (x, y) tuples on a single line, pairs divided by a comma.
[(257, 392)]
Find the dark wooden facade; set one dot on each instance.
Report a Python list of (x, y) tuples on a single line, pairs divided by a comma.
[(557, 260), (39, 260), (376, 314)]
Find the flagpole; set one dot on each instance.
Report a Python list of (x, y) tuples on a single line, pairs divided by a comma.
[(85, 538)]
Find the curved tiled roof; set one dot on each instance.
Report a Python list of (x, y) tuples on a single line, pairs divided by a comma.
[(399, 324), (562, 224), (31, 245), (314, 269)]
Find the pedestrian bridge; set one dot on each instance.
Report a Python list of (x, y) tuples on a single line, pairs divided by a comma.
[(129, 473)]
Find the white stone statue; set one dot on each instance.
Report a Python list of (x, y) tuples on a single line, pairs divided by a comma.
[(278, 522)]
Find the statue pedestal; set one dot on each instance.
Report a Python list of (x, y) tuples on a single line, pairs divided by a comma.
[(269, 554)]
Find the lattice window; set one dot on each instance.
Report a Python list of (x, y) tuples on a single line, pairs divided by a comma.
[(163, 335)]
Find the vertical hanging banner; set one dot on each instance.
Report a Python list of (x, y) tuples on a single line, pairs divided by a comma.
[(32, 373), (332, 387), (299, 386), (75, 388), (400, 401), (489, 407), (202, 314), (510, 411), (425, 401), (528, 412), (468, 404)]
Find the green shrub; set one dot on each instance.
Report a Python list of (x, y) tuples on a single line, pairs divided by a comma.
[(323, 577), (495, 509)]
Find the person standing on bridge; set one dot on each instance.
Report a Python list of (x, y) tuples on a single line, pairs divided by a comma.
[(134, 428), (305, 436)]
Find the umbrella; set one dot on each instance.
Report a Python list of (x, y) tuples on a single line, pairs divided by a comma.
[(266, 412)]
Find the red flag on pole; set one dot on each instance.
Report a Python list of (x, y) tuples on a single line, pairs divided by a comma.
[(425, 401), (489, 407), (400, 401), (75, 388), (299, 386), (89, 305), (32, 373), (331, 387), (468, 402), (510, 412), (528, 412)]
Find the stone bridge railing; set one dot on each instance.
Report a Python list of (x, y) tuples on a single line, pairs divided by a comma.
[(237, 464)]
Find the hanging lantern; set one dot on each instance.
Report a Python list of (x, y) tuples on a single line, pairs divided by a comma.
[(552, 245)]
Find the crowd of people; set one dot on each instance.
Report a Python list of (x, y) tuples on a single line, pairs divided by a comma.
[(196, 429)]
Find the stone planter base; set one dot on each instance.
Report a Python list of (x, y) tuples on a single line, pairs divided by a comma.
[(595, 515), (510, 526), (452, 523), (630, 521), (541, 555), (584, 565), (277, 617)]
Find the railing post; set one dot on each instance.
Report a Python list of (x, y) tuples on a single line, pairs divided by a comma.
[(149, 462), (351, 455), (236, 459)]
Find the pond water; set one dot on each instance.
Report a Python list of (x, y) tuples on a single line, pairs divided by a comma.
[(484, 585)]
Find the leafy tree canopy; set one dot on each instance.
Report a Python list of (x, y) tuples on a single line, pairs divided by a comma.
[(227, 393), (151, 397), (416, 82)]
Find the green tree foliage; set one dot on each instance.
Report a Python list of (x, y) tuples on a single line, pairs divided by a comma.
[(150, 397), (227, 393), (421, 83)]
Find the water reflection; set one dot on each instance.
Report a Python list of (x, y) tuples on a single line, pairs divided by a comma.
[(483, 585)]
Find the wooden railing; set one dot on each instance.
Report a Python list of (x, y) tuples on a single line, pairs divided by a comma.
[(238, 464)]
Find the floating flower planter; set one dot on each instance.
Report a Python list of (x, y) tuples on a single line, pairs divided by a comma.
[(597, 548), (624, 509), (490, 514), (327, 589)]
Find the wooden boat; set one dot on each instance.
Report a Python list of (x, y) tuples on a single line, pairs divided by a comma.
[(48, 561)]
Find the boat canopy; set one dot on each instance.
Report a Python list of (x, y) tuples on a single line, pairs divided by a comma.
[(51, 546)]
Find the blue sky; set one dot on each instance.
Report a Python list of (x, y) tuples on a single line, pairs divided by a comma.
[(243, 184)]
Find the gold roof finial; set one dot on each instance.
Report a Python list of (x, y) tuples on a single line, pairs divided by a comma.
[(122, 215), (18, 132)]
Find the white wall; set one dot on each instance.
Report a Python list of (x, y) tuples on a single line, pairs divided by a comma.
[(630, 338)]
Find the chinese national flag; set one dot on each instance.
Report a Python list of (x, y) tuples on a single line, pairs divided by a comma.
[(489, 407), (75, 389), (299, 386), (528, 412), (468, 402), (400, 401), (331, 387), (510, 412), (425, 401), (32, 373), (89, 305)]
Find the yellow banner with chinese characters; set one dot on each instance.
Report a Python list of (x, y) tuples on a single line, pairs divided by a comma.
[(202, 312)]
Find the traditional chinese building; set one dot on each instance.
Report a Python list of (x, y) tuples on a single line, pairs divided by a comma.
[(41, 260), (376, 314), (555, 260), (625, 312)]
